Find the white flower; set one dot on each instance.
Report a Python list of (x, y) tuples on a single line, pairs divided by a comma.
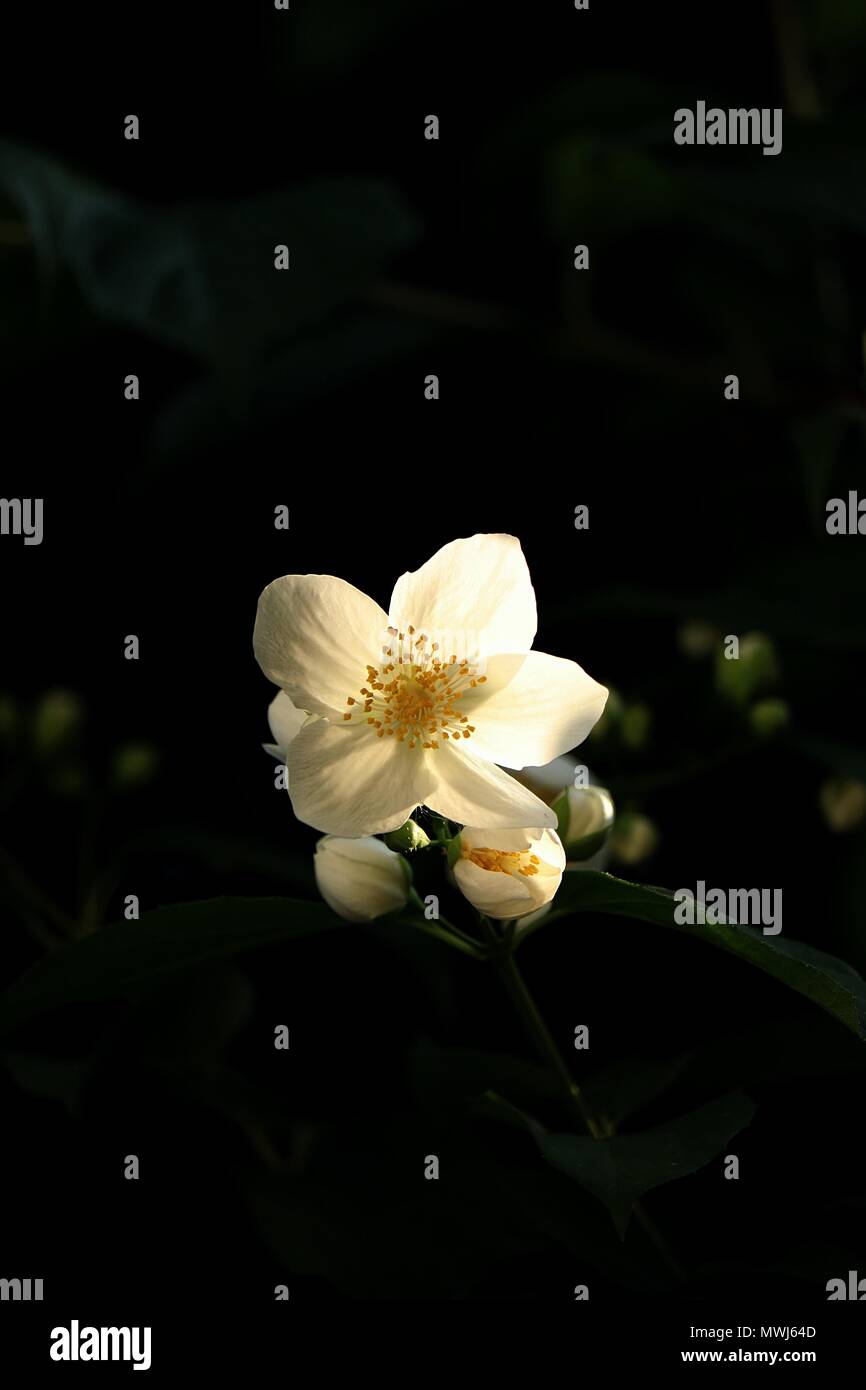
[(361, 879), (419, 705), (508, 873)]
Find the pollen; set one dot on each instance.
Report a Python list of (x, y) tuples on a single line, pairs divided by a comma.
[(505, 861), (414, 693)]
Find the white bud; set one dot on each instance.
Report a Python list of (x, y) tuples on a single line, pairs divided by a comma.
[(361, 879), (586, 815), (508, 873)]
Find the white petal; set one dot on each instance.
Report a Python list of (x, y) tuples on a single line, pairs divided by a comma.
[(475, 591), (314, 636), (346, 781), (548, 706), (498, 895), (543, 843), (512, 838), (474, 792), (550, 779), (360, 879), (285, 720)]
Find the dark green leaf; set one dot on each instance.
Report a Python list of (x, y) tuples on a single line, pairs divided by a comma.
[(50, 1078), (619, 1171), (121, 958), (822, 978)]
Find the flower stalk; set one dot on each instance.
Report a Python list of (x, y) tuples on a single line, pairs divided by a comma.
[(506, 967)]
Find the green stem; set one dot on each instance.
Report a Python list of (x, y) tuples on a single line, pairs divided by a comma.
[(452, 937), (30, 893), (515, 986)]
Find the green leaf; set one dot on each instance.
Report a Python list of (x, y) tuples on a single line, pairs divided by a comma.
[(824, 979), (201, 276), (121, 958), (619, 1171), (50, 1078), (452, 1076)]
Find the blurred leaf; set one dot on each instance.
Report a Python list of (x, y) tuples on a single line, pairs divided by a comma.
[(201, 277), (596, 187), (829, 982), (449, 1076), (191, 1018), (121, 958), (619, 1171), (817, 440), (827, 612), (50, 1078)]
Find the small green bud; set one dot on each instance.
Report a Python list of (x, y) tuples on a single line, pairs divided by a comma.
[(56, 721), (698, 638), (134, 764), (635, 726), (409, 837), (843, 803), (634, 838), (768, 716), (739, 678)]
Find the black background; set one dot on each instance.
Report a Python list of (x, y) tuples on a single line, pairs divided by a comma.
[(699, 508)]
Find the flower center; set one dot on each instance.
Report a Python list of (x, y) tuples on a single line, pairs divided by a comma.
[(412, 694), (505, 861)]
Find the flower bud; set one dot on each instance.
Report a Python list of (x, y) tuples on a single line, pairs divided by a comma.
[(134, 764), (508, 873), (635, 726), (767, 717), (409, 837), (361, 879), (740, 678), (586, 815), (698, 638), (634, 839), (57, 721), (843, 803)]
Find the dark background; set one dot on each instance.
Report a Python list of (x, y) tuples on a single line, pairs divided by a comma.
[(557, 388)]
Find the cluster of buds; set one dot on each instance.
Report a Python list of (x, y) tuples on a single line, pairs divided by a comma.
[(506, 874)]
